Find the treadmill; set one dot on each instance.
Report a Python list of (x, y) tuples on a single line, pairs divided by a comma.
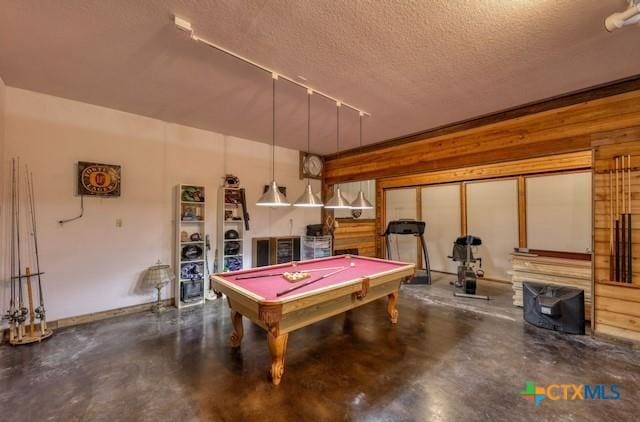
[(415, 228)]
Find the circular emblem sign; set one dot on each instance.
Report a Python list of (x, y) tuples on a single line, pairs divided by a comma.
[(100, 179)]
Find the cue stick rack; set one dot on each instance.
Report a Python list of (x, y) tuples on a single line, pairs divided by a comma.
[(620, 180)]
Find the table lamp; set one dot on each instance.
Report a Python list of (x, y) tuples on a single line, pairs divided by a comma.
[(158, 276)]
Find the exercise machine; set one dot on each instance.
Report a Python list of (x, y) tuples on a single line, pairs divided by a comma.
[(410, 228), (468, 273)]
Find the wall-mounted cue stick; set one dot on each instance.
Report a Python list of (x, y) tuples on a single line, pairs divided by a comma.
[(617, 226), (623, 223), (611, 258), (629, 228)]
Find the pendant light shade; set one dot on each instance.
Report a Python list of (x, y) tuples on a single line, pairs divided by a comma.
[(273, 197), (361, 202), (338, 201), (308, 199)]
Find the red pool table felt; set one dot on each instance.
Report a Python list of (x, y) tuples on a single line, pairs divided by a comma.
[(268, 287)]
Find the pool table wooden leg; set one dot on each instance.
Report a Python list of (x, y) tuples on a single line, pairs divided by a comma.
[(277, 348), (391, 307), (238, 330)]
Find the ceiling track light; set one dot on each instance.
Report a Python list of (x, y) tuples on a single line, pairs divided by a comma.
[(308, 199), (273, 197), (338, 201), (361, 202), (185, 26)]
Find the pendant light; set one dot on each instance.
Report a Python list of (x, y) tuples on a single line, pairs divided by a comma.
[(338, 201), (308, 199), (273, 197), (361, 202)]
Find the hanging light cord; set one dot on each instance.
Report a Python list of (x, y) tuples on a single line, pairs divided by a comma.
[(308, 129), (273, 134)]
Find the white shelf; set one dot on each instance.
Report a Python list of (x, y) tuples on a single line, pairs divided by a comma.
[(230, 224), (190, 226)]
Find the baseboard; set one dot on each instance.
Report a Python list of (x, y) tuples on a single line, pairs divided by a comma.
[(98, 316)]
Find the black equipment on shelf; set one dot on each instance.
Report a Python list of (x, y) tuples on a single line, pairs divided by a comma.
[(467, 272), (191, 252), (555, 308), (231, 248), (231, 234), (191, 291), (314, 230), (413, 228)]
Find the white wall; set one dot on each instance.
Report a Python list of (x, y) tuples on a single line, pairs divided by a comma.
[(559, 212), (441, 213), (91, 265), (492, 215)]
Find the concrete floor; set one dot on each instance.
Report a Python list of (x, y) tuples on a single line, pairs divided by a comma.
[(441, 362)]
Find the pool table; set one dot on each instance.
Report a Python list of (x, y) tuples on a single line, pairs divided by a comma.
[(351, 281)]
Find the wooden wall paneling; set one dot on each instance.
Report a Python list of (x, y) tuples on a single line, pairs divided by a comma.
[(419, 263), (522, 212), (551, 132), (551, 164), (356, 234), (617, 305)]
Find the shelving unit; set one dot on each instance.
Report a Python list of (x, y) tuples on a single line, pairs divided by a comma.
[(190, 219), (230, 218), (315, 247)]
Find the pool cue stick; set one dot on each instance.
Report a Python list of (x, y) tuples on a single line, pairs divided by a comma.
[(306, 283), (277, 274), (611, 260), (629, 228), (623, 224), (617, 225)]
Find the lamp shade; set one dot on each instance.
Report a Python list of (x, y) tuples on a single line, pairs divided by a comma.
[(361, 202), (273, 197), (308, 199), (158, 275), (338, 201)]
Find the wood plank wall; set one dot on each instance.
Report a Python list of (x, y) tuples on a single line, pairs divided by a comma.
[(557, 131), (356, 234), (617, 306)]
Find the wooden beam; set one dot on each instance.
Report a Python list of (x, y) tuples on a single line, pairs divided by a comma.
[(596, 92), (522, 212)]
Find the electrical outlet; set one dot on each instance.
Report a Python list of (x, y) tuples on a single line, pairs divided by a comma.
[(118, 222)]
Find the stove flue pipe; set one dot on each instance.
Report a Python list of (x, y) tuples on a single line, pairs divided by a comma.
[(628, 17)]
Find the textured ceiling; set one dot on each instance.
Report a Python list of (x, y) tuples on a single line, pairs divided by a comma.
[(413, 65)]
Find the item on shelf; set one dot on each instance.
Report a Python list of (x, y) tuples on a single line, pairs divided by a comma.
[(231, 181), (232, 248), (233, 263), (191, 291), (188, 214), (195, 237), (191, 271), (228, 215), (191, 252), (231, 234), (184, 236), (232, 197), (314, 230), (192, 194)]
